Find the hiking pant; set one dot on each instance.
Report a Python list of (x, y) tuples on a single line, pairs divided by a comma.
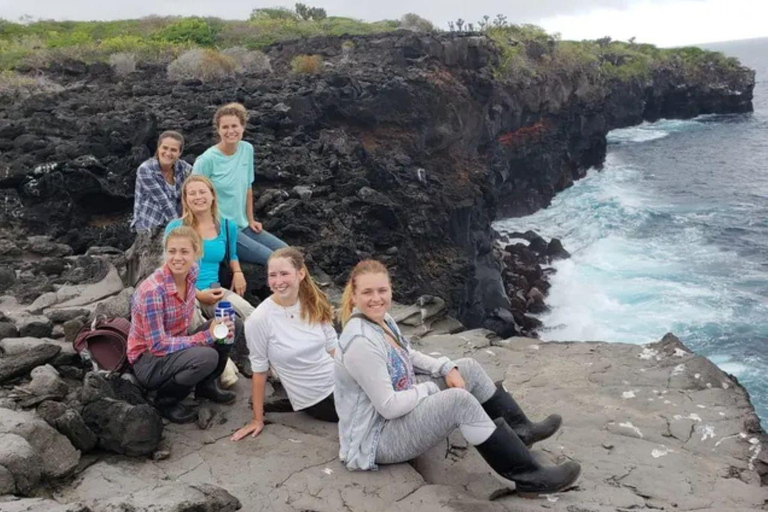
[(186, 367), (411, 435), (324, 410)]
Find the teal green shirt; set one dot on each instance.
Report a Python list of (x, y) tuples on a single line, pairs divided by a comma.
[(214, 251), (232, 176)]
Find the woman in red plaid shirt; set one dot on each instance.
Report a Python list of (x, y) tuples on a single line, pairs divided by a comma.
[(165, 355)]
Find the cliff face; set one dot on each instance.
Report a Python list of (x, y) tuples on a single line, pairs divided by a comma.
[(405, 150)]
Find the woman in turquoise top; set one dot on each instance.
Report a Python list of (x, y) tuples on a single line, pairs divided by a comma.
[(229, 165), (200, 211)]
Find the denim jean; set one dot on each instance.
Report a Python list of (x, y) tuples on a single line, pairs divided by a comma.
[(255, 247)]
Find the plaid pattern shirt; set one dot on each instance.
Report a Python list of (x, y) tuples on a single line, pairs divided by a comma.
[(160, 317), (156, 202)]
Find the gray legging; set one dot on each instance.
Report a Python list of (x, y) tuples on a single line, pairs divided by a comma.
[(409, 436)]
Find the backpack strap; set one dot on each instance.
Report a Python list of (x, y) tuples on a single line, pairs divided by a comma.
[(226, 246)]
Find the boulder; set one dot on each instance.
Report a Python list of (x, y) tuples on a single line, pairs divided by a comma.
[(36, 326), (14, 346), (114, 307), (84, 296), (72, 327), (7, 277), (535, 303), (18, 365), (144, 256), (8, 330), (121, 426), (22, 462), (46, 382), (67, 421), (59, 458), (59, 316), (556, 251), (7, 480), (44, 246)]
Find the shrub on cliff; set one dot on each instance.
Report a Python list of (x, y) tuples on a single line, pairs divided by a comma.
[(273, 13), (249, 61), (189, 30), (416, 23), (306, 12), (201, 64), (307, 64), (123, 63), (15, 86)]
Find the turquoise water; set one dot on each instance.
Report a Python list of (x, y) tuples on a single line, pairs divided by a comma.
[(672, 236)]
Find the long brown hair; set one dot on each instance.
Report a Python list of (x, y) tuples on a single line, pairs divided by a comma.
[(362, 268), (315, 307), (187, 217)]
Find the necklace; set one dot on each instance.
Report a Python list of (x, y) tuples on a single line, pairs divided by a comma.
[(288, 312)]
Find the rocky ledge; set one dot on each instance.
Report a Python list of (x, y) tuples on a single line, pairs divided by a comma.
[(405, 149), (655, 427)]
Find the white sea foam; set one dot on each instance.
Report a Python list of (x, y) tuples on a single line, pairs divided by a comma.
[(643, 258), (646, 132)]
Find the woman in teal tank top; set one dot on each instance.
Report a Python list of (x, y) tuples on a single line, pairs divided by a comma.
[(229, 165), (200, 212)]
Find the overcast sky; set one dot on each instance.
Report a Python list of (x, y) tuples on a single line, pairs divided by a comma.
[(662, 22)]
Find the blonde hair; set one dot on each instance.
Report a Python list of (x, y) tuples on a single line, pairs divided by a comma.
[(187, 217), (362, 268), (230, 109), (188, 233), (315, 307)]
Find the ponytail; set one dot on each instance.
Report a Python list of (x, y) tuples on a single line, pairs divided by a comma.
[(363, 267), (315, 307), (347, 305)]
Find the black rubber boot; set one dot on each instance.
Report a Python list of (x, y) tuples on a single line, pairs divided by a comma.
[(502, 405), (511, 460), (168, 403), (209, 386)]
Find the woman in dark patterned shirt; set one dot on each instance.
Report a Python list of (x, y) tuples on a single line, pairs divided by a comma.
[(157, 201), (157, 198)]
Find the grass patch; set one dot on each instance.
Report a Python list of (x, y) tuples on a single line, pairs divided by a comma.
[(307, 64), (202, 64)]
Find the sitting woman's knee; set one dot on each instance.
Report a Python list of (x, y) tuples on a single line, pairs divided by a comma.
[(468, 364), (460, 396)]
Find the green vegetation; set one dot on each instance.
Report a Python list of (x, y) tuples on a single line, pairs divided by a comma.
[(163, 39), (527, 53)]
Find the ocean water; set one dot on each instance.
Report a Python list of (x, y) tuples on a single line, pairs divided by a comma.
[(672, 236)]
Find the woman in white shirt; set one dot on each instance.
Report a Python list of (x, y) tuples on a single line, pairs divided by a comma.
[(292, 332)]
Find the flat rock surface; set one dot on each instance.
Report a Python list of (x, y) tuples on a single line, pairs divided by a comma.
[(654, 427)]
